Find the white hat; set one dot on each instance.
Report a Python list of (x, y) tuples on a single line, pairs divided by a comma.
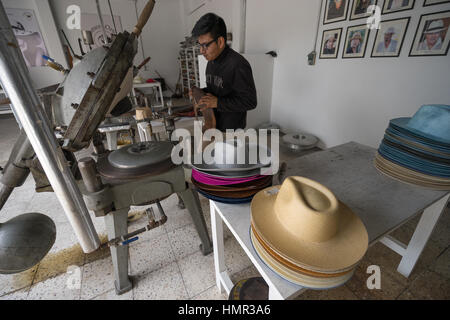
[(357, 34), (435, 26), (329, 37), (390, 30)]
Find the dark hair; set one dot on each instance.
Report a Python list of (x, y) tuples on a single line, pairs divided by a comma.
[(210, 23)]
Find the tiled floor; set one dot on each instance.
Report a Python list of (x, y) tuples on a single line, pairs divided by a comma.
[(166, 263)]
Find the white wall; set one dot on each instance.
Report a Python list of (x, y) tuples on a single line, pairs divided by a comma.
[(160, 36), (344, 99), (42, 76)]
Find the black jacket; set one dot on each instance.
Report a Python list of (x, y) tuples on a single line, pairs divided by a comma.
[(230, 78)]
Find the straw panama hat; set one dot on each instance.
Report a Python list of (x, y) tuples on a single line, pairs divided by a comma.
[(304, 223), (356, 35)]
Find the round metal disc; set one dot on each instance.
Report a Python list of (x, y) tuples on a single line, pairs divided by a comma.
[(24, 241), (140, 155), (300, 141)]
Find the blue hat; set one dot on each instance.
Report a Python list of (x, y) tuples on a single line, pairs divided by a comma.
[(225, 200), (431, 122)]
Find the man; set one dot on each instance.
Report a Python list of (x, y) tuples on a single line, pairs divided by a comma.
[(230, 90), (432, 40), (330, 44), (388, 45), (355, 43), (336, 9), (361, 7), (397, 4)]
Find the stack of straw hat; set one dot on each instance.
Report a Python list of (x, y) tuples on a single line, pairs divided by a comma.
[(417, 150), (227, 180), (306, 235)]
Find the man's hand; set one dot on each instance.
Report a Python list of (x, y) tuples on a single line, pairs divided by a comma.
[(208, 101)]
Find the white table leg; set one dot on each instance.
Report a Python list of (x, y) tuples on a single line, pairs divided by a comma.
[(274, 295), (421, 235), (217, 239)]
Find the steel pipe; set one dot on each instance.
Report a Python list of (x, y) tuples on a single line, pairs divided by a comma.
[(99, 12), (15, 80)]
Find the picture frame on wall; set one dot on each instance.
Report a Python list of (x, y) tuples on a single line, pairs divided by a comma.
[(389, 38), (330, 43), (432, 36), (434, 2), (29, 36), (356, 41), (359, 9), (335, 10), (391, 6)]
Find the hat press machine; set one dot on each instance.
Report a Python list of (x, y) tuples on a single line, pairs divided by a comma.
[(89, 92)]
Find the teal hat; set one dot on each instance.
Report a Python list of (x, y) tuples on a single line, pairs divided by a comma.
[(431, 122)]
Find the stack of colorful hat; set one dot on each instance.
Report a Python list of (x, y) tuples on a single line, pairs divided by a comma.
[(306, 235), (417, 150), (228, 180)]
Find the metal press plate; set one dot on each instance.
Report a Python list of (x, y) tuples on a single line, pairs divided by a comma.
[(141, 155), (300, 141), (77, 84)]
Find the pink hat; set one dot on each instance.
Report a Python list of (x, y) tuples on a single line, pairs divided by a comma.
[(214, 181)]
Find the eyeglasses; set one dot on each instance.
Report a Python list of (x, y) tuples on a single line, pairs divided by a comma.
[(205, 46)]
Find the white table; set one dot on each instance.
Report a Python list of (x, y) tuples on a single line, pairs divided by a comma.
[(382, 203)]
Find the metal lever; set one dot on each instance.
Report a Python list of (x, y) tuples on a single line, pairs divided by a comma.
[(131, 237)]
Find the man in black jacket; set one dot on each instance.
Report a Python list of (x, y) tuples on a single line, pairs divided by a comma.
[(230, 90)]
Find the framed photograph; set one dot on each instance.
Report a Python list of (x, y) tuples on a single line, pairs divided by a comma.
[(356, 41), (28, 34), (433, 2), (359, 8), (330, 43), (335, 10), (391, 6), (389, 38), (432, 35)]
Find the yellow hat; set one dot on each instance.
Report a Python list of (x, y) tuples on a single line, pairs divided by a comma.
[(304, 223)]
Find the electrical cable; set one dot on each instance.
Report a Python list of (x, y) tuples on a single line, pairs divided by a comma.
[(318, 25)]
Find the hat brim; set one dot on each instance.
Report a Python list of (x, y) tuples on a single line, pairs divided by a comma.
[(291, 265), (249, 149), (402, 124), (433, 145), (296, 277), (234, 174), (415, 145), (239, 194), (225, 200), (414, 163), (405, 175), (342, 252)]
